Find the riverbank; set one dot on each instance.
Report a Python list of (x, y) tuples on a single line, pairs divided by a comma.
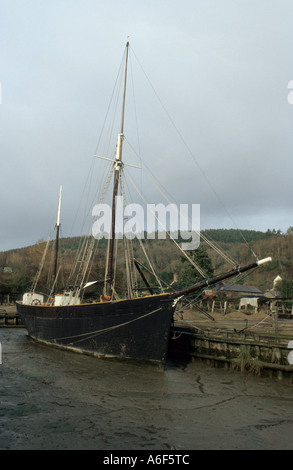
[(260, 321), (259, 343), (9, 317)]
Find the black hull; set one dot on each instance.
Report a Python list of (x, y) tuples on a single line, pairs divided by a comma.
[(135, 329)]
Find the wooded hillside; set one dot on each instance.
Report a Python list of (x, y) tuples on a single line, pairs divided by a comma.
[(18, 267)]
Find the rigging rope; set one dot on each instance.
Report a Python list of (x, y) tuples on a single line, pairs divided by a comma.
[(212, 244), (193, 157), (147, 255), (199, 269)]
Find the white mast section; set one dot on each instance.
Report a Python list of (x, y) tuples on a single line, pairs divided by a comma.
[(59, 207)]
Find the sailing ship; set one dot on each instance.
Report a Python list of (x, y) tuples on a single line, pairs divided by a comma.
[(136, 327)]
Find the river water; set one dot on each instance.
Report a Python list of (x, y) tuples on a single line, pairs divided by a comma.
[(53, 399)]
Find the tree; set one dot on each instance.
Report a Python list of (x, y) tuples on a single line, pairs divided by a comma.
[(287, 288), (189, 275), (5, 284)]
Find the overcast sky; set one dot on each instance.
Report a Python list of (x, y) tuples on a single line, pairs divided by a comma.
[(221, 68)]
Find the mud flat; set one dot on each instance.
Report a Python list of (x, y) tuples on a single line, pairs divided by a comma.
[(52, 399)]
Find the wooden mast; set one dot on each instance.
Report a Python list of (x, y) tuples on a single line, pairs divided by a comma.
[(117, 167)]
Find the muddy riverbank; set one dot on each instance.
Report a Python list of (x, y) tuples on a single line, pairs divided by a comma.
[(52, 399)]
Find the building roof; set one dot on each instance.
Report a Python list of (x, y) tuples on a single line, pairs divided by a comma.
[(237, 288), (273, 293)]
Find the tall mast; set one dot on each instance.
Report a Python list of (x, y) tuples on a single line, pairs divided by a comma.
[(117, 167), (57, 239)]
